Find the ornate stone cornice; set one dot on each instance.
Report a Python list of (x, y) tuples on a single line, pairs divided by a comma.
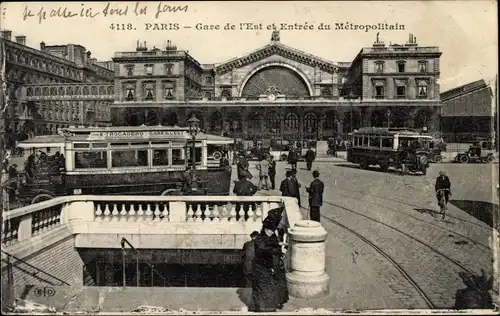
[(281, 50)]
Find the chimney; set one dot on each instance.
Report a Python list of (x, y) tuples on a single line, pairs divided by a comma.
[(21, 39), (7, 35), (42, 46)]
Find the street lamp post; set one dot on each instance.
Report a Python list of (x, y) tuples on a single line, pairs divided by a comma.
[(388, 118), (194, 129)]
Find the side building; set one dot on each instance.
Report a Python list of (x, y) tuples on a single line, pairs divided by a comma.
[(46, 68), (467, 113), (278, 91)]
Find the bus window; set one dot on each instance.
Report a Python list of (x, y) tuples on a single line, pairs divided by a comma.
[(375, 141), (387, 142), (177, 158), (129, 158), (160, 157), (197, 154), (91, 159)]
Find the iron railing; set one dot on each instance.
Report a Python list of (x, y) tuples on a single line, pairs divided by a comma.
[(125, 242)]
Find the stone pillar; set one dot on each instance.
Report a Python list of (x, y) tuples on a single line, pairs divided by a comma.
[(307, 277)]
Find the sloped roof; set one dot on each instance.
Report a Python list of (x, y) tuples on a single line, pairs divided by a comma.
[(276, 48)]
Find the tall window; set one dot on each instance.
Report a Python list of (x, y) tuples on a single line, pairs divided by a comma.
[(401, 66), (379, 91), (422, 66), (379, 66), (149, 70), (130, 70), (169, 90), (401, 92), (168, 69), (422, 90), (149, 94), (130, 94)]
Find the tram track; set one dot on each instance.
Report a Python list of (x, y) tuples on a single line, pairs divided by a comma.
[(413, 205), (456, 233), (425, 274)]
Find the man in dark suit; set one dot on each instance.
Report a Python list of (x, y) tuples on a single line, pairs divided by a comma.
[(244, 188), (249, 251), (315, 191), (296, 186), (310, 156), (443, 183), (290, 186)]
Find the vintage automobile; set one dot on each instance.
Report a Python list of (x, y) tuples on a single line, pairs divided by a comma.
[(436, 148), (143, 160), (281, 148), (482, 151), (398, 148)]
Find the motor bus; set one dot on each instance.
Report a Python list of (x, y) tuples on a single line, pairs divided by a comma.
[(141, 160), (399, 148)]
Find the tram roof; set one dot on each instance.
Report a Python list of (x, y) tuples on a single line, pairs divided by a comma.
[(390, 131), (54, 141)]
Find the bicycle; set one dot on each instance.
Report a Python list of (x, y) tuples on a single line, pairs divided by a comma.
[(443, 205)]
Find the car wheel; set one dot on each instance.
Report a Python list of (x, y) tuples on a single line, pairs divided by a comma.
[(41, 198), (464, 159), (490, 158), (217, 155), (283, 157), (438, 158), (330, 152)]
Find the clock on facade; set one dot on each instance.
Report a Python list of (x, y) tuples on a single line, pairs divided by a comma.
[(271, 97)]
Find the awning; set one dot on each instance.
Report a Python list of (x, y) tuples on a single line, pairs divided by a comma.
[(215, 139)]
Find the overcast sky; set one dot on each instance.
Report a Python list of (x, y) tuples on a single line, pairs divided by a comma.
[(465, 31)]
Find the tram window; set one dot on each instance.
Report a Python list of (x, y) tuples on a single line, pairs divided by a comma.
[(120, 144), (374, 141), (177, 157), (365, 141), (99, 145), (81, 145), (129, 158), (160, 157), (91, 159), (387, 142), (197, 154)]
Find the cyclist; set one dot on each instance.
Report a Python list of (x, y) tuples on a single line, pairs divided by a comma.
[(443, 183)]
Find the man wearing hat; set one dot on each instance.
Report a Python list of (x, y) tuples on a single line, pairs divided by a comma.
[(443, 183), (288, 186), (315, 190), (249, 250)]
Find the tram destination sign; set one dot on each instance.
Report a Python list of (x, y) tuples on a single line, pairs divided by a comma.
[(144, 134)]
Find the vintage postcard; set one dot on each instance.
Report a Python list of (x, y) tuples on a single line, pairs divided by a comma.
[(247, 157)]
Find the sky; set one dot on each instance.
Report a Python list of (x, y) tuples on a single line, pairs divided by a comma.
[(465, 31)]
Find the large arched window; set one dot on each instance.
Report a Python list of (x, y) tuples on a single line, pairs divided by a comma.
[(310, 123), (284, 81), (273, 122), (291, 121)]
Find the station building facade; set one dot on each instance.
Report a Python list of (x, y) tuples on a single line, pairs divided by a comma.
[(278, 91)]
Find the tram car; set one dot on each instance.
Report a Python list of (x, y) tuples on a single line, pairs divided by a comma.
[(121, 160), (398, 148)]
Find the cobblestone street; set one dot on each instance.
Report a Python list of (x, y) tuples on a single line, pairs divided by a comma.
[(386, 236)]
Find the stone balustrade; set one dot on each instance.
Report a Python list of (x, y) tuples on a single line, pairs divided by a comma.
[(143, 214), (169, 222)]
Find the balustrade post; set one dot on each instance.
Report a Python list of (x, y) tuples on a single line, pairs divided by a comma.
[(83, 210), (177, 212), (307, 277), (25, 228)]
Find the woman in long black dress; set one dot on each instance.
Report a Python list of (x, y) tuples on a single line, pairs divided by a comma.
[(265, 291)]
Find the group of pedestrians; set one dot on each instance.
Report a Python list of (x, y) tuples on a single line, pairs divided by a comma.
[(264, 265)]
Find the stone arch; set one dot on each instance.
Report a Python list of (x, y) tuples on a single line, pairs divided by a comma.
[(53, 91), (85, 90), (38, 91), (110, 90), (29, 91), (232, 122), (60, 91), (152, 118), (273, 122), (265, 65), (77, 90), (102, 90), (216, 121), (331, 120), (69, 90), (170, 119), (93, 90)]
